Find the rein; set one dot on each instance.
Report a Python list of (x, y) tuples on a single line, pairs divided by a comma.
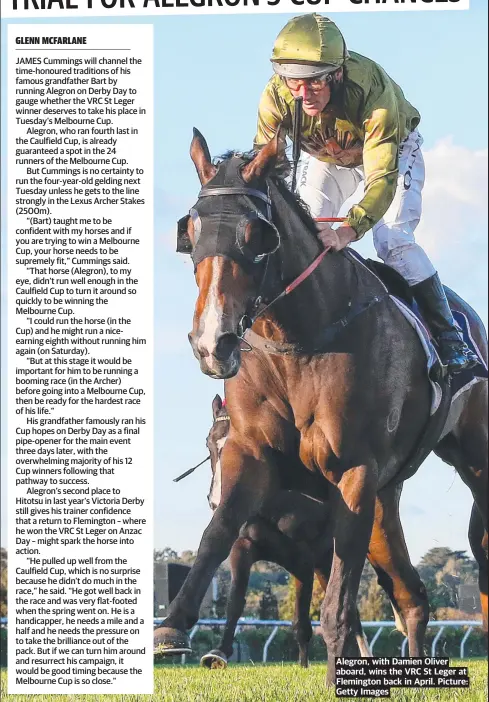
[(294, 284)]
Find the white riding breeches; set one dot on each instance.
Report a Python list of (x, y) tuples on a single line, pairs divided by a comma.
[(324, 187)]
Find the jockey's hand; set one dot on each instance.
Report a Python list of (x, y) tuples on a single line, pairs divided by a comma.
[(337, 239)]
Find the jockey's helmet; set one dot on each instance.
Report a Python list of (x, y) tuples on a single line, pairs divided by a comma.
[(308, 46)]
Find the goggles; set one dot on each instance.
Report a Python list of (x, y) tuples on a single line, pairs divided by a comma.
[(315, 84)]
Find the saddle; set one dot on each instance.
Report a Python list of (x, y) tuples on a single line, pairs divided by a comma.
[(393, 281), (445, 388), (398, 287)]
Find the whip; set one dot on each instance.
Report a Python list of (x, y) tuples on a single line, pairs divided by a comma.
[(296, 138)]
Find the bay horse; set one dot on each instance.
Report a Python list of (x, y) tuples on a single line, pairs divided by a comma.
[(336, 376), (292, 530)]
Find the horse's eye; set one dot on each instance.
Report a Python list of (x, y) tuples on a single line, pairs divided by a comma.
[(197, 222)]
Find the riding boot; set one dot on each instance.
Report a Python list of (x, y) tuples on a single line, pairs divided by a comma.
[(453, 351)]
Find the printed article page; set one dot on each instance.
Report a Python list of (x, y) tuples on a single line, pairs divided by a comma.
[(80, 352), (244, 363)]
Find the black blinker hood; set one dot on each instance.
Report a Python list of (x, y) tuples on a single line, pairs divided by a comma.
[(223, 219)]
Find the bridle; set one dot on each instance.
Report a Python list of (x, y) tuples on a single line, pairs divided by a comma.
[(257, 307), (219, 191), (250, 192), (252, 313)]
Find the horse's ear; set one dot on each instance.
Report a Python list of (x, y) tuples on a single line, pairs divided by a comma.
[(216, 406), (266, 158), (200, 155)]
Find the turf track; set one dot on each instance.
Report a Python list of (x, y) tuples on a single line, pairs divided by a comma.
[(260, 683)]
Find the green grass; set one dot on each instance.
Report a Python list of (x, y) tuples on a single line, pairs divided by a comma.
[(260, 683)]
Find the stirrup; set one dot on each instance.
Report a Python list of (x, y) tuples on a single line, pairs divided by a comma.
[(471, 357), (456, 356)]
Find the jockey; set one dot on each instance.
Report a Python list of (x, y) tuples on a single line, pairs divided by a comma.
[(358, 126)]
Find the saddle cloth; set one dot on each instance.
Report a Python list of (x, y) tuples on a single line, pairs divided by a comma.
[(461, 382)]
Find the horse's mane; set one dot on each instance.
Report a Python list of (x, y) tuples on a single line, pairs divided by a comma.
[(279, 174), (247, 156)]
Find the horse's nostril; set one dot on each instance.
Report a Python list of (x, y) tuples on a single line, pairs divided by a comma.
[(225, 346)]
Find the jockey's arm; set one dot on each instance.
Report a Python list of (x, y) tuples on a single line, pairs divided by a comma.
[(380, 163), (380, 153)]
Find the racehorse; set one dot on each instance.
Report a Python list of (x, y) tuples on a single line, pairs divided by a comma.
[(336, 376), (293, 530)]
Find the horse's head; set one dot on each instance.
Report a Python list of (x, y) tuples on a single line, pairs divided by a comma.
[(215, 443), (230, 236)]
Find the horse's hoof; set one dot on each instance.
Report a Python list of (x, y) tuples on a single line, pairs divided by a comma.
[(170, 642), (214, 659)]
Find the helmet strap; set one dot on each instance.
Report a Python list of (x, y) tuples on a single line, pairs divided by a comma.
[(337, 84)]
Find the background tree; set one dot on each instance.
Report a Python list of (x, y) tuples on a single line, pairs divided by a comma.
[(287, 605), (188, 557), (443, 571), (271, 591), (374, 606), (165, 555), (268, 604)]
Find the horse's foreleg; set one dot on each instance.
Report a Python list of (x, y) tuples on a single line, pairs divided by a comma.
[(302, 624), (213, 550), (352, 528), (298, 560), (246, 482), (243, 555), (479, 545), (323, 574), (389, 557)]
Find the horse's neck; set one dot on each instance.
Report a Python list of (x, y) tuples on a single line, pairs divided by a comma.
[(323, 297), (319, 301)]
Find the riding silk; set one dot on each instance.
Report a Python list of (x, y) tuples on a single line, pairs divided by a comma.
[(324, 187), (223, 220), (367, 116)]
